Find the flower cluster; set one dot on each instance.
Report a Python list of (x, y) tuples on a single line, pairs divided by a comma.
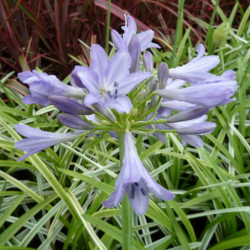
[(125, 93)]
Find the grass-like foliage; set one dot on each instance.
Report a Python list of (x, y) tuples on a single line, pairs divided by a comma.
[(53, 200)]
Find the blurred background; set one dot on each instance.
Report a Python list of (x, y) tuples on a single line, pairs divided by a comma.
[(45, 33)]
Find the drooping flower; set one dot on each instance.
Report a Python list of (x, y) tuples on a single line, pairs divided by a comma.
[(135, 181), (38, 140), (122, 43), (42, 86), (108, 81)]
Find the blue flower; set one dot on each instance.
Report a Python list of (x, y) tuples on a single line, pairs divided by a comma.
[(130, 29), (108, 81), (204, 94), (42, 86), (135, 181), (37, 140), (197, 69)]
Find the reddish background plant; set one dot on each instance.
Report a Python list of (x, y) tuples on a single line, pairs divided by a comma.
[(43, 33)]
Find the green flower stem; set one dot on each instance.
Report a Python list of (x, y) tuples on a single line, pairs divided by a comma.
[(126, 208), (153, 109), (108, 25), (147, 98), (126, 224), (140, 124), (150, 131)]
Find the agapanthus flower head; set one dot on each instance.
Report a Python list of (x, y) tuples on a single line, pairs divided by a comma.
[(135, 181), (42, 85), (130, 29), (109, 81), (38, 140), (106, 86)]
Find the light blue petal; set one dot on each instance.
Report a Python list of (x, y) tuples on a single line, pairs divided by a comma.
[(121, 104), (145, 39), (27, 77), (92, 98), (88, 78), (99, 61), (118, 41), (129, 83), (118, 68), (117, 196), (138, 196), (130, 29), (193, 140)]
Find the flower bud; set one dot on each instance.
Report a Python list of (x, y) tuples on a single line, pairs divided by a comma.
[(105, 112), (70, 106), (188, 114), (148, 62), (134, 49), (163, 75), (150, 85), (73, 121), (220, 34), (141, 95)]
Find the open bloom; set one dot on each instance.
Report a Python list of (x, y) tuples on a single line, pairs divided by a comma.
[(122, 43), (37, 140), (42, 86), (135, 181), (108, 81)]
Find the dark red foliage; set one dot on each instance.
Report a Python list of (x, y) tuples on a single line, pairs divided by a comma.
[(42, 33)]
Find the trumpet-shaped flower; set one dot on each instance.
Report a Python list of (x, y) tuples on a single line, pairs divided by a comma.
[(42, 86), (37, 140), (122, 43), (207, 95), (108, 81), (135, 181)]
